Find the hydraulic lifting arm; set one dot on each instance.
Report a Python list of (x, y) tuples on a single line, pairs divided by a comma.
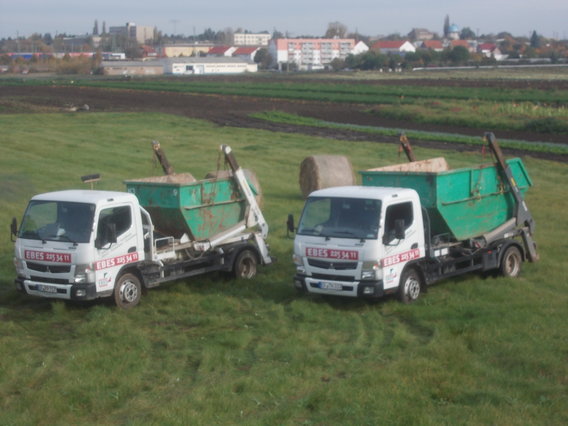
[(254, 216), (524, 219)]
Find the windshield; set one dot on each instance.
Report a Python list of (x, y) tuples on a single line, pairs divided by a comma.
[(340, 218), (58, 221)]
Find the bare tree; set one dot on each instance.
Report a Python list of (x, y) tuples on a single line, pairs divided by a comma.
[(336, 29)]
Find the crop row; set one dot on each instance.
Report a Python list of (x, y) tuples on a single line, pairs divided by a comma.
[(286, 118), (356, 93), (360, 92)]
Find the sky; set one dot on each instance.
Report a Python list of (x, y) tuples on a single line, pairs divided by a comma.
[(293, 17)]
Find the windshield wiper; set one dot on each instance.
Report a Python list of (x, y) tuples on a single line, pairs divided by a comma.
[(344, 233), (62, 237), (309, 231)]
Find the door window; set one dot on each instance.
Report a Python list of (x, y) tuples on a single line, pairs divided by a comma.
[(396, 213), (118, 217)]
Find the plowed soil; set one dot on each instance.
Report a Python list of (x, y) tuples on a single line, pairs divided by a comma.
[(235, 111)]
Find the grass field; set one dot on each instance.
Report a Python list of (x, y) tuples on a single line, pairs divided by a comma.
[(213, 351), (480, 104)]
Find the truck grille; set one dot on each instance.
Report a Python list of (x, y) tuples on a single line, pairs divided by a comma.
[(48, 280), (333, 277), (55, 269), (338, 266)]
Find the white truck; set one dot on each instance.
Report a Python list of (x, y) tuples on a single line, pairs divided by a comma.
[(87, 244), (412, 225)]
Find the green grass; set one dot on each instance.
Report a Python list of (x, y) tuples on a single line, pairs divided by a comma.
[(522, 116), (213, 351)]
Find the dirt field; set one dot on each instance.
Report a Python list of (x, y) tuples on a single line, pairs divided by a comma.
[(235, 110)]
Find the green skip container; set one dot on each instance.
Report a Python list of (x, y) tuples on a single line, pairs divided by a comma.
[(463, 203), (180, 205)]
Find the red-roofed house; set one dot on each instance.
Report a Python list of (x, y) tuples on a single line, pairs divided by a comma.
[(462, 43), (221, 51), (398, 47), (149, 52), (491, 50), (245, 52), (435, 45)]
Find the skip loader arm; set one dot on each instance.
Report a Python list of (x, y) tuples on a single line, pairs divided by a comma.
[(524, 219), (255, 216)]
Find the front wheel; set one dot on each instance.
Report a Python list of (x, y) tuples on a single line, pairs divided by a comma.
[(410, 286), (245, 265), (511, 262), (127, 291)]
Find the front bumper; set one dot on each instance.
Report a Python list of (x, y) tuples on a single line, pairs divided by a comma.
[(86, 291), (366, 289)]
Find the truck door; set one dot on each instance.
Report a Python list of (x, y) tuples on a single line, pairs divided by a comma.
[(116, 244), (400, 239)]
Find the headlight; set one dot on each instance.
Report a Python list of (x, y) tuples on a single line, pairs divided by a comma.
[(299, 264), (84, 274), (369, 270), (19, 265)]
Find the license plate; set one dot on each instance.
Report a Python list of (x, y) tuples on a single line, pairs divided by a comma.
[(331, 286), (47, 288)]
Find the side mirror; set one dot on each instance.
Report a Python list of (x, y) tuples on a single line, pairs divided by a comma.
[(13, 229), (290, 225)]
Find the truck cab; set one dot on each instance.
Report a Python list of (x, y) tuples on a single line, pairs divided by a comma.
[(82, 245), (357, 241), (73, 244)]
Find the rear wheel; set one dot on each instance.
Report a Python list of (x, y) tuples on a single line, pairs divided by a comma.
[(245, 265), (127, 291), (410, 286), (511, 262)]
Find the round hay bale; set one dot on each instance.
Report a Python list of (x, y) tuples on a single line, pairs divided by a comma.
[(324, 171), (249, 174)]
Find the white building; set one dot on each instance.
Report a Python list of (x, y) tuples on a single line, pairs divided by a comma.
[(251, 39), (313, 53), (129, 68), (246, 52), (397, 47), (208, 65)]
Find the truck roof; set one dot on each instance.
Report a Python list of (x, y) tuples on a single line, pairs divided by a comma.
[(85, 196), (367, 192)]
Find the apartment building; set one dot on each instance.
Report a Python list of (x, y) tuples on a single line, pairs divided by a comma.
[(251, 39), (313, 53), (141, 34)]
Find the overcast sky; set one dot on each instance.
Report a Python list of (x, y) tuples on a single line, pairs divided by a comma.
[(295, 17)]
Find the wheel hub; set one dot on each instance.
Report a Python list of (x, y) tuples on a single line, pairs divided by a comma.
[(412, 288), (128, 292)]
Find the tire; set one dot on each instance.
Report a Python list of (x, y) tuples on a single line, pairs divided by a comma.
[(127, 291), (410, 286), (245, 265), (511, 262)]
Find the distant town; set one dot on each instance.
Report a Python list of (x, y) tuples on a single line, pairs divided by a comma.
[(133, 49)]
